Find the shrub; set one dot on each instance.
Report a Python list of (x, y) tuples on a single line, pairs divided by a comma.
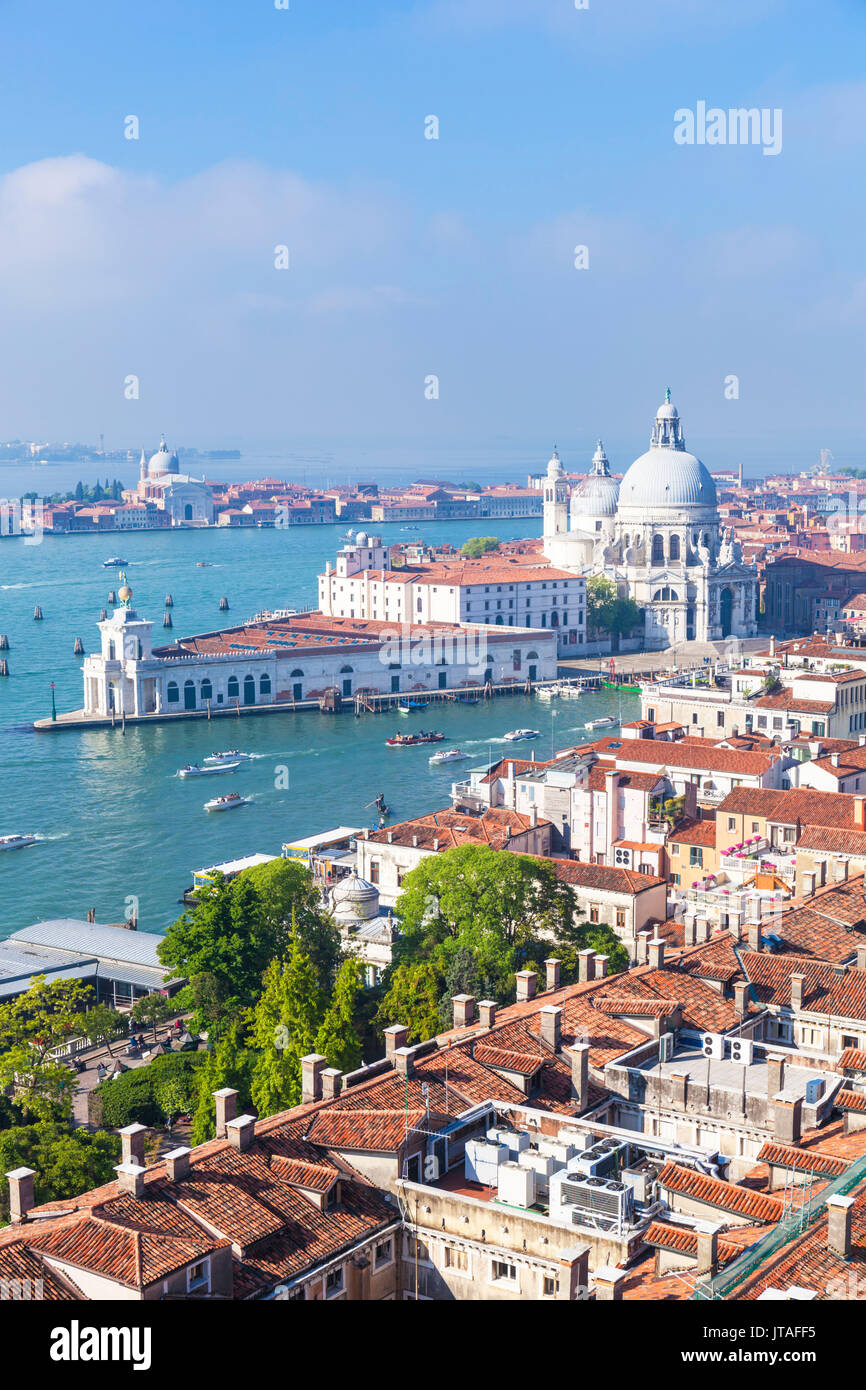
[(149, 1095)]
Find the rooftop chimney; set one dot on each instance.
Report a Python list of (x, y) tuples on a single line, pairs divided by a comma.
[(527, 981), (436, 844), (487, 1013), (756, 940), (708, 1251), (656, 950), (533, 815), (21, 1197), (132, 1144), (642, 947), (601, 963), (608, 1284), (130, 1178), (552, 970), (242, 1131), (787, 1117), (775, 1074), (580, 1075), (404, 1061), (463, 1009), (396, 1036), (839, 1225), (798, 983), (861, 957), (551, 1026), (332, 1083), (586, 964), (226, 1109), (312, 1067), (177, 1164), (741, 998)]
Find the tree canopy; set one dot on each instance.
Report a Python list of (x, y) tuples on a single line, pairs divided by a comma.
[(607, 610), (66, 1161), (477, 546), (32, 1025)]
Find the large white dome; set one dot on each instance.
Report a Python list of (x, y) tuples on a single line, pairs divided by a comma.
[(667, 476), (163, 461)]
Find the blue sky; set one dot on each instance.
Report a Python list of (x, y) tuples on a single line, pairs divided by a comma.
[(412, 257)]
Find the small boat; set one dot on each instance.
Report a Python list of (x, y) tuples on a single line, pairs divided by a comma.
[(548, 692), (517, 735), (410, 706), (226, 803), (570, 692), (113, 562), (448, 755), (606, 722), (348, 535), (203, 565), (409, 740), (16, 841), (468, 700), (625, 689), (193, 770), (230, 755)]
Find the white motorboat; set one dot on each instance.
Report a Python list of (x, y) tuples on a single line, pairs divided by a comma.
[(113, 562), (570, 692), (193, 770), (448, 755), (548, 692), (226, 803), (229, 755), (607, 722), (517, 735), (16, 841)]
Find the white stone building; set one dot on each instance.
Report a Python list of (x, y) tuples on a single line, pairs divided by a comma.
[(188, 500), (657, 535)]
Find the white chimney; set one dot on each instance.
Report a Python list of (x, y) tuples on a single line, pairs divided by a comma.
[(241, 1132), (177, 1164), (130, 1178), (396, 1036), (226, 1109), (21, 1198), (132, 1144), (526, 984), (312, 1067), (551, 1026)]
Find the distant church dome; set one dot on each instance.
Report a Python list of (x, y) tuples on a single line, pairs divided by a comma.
[(596, 495), (554, 467), (163, 461), (666, 476)]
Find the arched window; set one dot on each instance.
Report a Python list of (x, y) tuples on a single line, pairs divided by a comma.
[(665, 595), (233, 688), (249, 690), (532, 656), (265, 685), (187, 512), (189, 700), (345, 670), (544, 620), (706, 540), (554, 620), (674, 548), (297, 672), (172, 695), (658, 555), (206, 689)]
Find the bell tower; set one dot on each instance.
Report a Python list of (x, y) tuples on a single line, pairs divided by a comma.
[(555, 499)]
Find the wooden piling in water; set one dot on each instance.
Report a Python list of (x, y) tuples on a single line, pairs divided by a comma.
[(169, 601), (166, 622), (4, 667), (37, 614), (112, 596), (102, 615), (4, 642), (224, 604), (78, 649)]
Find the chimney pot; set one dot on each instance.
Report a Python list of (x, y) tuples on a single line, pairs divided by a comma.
[(656, 949), (551, 1026), (526, 985), (775, 1073), (312, 1067), (21, 1198), (861, 957), (436, 844), (404, 1061), (741, 998), (463, 1010), (580, 1075), (177, 1163), (552, 968), (608, 1284), (756, 939), (839, 1212), (226, 1109), (487, 1013), (798, 984), (601, 963), (586, 964), (241, 1132), (332, 1083), (132, 1144), (397, 1035), (708, 1251), (130, 1177)]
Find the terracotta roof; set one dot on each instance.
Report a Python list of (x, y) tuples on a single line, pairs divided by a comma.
[(450, 829), (787, 807), (853, 1059), (802, 1160), (638, 1005), (826, 990), (501, 1059), (695, 832), (686, 752), (851, 1100), (740, 1201), (712, 960), (685, 1242), (808, 1262), (604, 877), (21, 1266), (379, 1131)]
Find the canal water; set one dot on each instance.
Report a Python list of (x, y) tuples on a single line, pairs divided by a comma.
[(115, 822)]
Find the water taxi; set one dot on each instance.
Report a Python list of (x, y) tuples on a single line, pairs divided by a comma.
[(193, 770), (229, 755), (17, 841), (517, 735), (548, 692), (448, 755), (570, 692), (226, 803), (409, 740), (113, 562), (606, 722), (624, 689)]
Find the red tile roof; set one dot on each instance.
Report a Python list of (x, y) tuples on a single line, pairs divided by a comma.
[(853, 1059), (740, 1201), (802, 1160), (685, 1242)]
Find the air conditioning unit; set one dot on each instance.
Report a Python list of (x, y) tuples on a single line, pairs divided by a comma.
[(667, 1043), (597, 1202), (742, 1051), (516, 1185), (483, 1161), (713, 1045)]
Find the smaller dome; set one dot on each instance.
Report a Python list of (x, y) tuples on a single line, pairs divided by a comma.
[(554, 467), (362, 538), (355, 900)]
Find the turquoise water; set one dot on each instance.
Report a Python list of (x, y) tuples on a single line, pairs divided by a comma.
[(117, 823)]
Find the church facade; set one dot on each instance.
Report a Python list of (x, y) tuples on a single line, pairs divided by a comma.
[(658, 536), (187, 500)]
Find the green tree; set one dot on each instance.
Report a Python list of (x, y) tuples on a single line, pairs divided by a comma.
[(32, 1025), (462, 976), (607, 610), (338, 1038), (67, 1162), (290, 902), (79, 491), (412, 997), (230, 1064), (152, 1010), (103, 1025), (283, 1029), (588, 936), (477, 546)]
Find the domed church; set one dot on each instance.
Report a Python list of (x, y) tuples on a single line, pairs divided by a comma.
[(657, 535)]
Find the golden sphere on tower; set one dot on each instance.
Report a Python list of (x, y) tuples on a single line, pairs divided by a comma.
[(124, 593)]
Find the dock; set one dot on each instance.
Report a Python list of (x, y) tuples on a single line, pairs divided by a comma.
[(362, 702)]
